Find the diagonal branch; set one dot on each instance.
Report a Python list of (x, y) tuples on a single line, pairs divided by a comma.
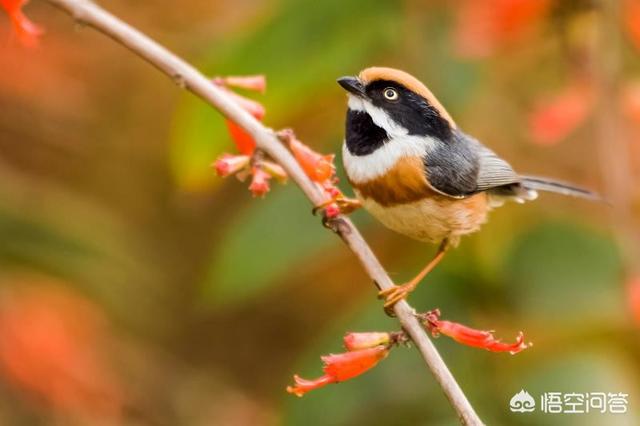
[(186, 76)]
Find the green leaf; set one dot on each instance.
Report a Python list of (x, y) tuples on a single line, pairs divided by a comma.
[(564, 269), (271, 237)]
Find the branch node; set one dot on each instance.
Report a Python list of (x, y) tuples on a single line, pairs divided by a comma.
[(179, 80), (337, 225)]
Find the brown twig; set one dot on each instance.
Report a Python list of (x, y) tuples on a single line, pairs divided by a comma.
[(186, 76)]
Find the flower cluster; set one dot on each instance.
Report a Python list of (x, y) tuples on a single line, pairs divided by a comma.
[(250, 161), (366, 350), (27, 31)]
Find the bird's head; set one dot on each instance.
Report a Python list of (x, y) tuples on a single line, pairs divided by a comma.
[(398, 103)]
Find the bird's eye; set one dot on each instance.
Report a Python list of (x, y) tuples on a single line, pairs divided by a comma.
[(390, 94)]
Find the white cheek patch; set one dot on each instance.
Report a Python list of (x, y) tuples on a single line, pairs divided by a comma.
[(364, 168), (355, 103)]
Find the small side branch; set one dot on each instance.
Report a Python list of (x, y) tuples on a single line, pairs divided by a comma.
[(186, 76)]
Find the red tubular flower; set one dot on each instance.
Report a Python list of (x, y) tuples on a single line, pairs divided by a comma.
[(256, 83), (556, 118), (318, 167), (341, 367), (259, 182), (27, 31), (244, 142), (471, 337), (357, 341), (229, 164)]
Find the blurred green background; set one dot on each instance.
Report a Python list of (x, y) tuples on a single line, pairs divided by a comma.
[(137, 288)]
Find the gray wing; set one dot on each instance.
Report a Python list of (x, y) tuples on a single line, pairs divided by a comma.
[(493, 171), (463, 166)]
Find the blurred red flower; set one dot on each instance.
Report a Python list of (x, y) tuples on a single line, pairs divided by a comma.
[(633, 297), (630, 101), (484, 26), (341, 367), (471, 337), (631, 15), (52, 345), (556, 117), (26, 30)]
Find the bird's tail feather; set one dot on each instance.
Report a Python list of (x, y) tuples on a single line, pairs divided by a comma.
[(551, 185)]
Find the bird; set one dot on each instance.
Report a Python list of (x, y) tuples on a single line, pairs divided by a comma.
[(417, 172)]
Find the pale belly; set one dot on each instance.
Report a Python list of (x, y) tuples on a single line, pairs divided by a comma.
[(432, 219)]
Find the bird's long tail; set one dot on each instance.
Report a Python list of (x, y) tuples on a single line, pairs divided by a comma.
[(551, 185)]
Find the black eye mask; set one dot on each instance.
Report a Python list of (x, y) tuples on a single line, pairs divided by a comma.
[(410, 110)]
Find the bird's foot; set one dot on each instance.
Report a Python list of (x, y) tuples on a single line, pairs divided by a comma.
[(393, 295), (344, 206)]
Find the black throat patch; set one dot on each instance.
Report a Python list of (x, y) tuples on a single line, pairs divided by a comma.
[(362, 135)]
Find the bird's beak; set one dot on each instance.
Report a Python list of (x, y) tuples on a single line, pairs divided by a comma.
[(352, 85)]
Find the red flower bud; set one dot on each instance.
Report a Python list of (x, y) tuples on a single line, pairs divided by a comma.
[(332, 190), (357, 341), (472, 337), (318, 167), (257, 83), (332, 210), (340, 367), (229, 164), (27, 31), (259, 183)]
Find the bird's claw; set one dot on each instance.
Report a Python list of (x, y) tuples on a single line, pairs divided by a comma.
[(345, 205), (393, 295)]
